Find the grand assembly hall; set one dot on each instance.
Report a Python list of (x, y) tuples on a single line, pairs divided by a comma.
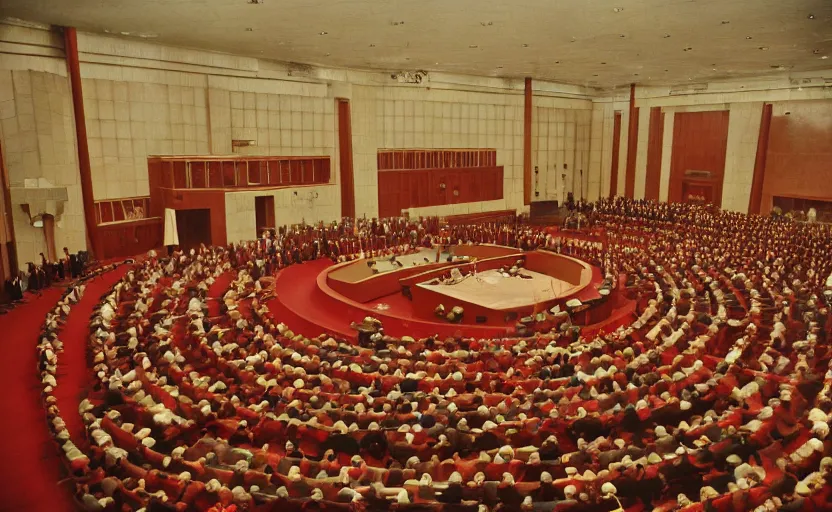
[(416, 256)]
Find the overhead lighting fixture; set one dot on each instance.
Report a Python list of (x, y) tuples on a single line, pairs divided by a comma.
[(764, 48), (748, 37), (617, 9), (824, 57), (323, 33), (811, 16)]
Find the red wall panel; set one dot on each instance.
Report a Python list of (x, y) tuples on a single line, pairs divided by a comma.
[(654, 154), (700, 140), (799, 157), (127, 239), (459, 176), (632, 150)]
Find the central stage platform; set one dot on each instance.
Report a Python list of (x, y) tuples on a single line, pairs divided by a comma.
[(493, 290), (310, 300)]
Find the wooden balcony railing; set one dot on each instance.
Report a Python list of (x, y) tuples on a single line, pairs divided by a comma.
[(217, 172), (404, 159), (108, 211)]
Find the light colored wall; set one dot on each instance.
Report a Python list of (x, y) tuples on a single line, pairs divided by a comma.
[(600, 153), (143, 98), (743, 99), (398, 117), (292, 206), (38, 138), (560, 135)]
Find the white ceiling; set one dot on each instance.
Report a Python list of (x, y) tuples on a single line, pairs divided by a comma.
[(602, 43)]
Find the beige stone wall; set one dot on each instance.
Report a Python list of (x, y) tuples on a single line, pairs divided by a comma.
[(37, 132), (143, 98)]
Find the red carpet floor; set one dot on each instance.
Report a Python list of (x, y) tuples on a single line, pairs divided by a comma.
[(31, 467)]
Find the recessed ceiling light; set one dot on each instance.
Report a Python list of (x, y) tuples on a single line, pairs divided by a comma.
[(713, 69), (811, 16), (617, 9), (323, 33), (436, 63), (472, 46), (825, 57), (748, 37), (764, 48)]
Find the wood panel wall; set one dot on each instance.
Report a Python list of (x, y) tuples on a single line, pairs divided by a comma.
[(132, 238), (233, 173), (419, 178), (654, 154), (799, 156), (213, 200), (700, 140)]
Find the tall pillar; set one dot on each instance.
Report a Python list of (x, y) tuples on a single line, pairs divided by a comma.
[(632, 146), (756, 197), (527, 143), (74, 69)]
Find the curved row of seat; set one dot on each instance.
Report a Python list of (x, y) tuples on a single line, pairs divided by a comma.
[(715, 397)]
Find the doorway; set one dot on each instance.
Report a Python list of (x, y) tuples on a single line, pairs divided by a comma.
[(264, 215), (193, 228)]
